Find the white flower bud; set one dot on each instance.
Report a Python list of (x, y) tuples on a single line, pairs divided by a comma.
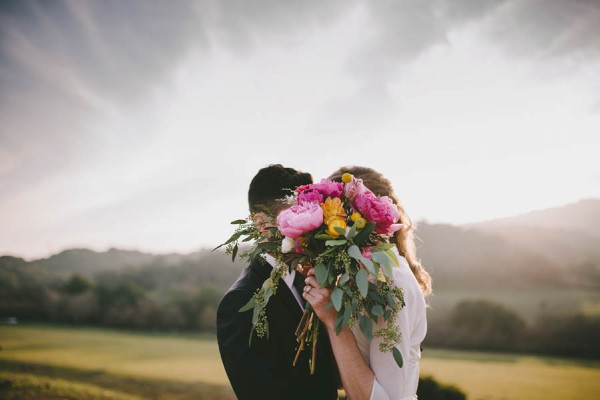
[(287, 245)]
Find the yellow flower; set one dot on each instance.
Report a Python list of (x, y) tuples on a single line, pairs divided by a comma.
[(332, 209), (360, 223), (355, 216), (335, 223), (347, 178)]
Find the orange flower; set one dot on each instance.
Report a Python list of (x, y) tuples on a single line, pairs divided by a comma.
[(333, 209)]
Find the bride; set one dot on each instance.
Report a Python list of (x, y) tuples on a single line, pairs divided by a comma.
[(366, 372)]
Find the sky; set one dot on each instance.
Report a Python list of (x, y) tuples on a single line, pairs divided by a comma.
[(140, 124)]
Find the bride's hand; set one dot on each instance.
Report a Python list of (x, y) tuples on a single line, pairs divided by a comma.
[(319, 298)]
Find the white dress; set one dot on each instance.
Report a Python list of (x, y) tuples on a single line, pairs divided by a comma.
[(392, 382)]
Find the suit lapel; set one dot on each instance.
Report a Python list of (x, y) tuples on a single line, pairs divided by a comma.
[(284, 292)]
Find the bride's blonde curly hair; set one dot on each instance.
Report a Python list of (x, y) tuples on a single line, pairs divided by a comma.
[(404, 238)]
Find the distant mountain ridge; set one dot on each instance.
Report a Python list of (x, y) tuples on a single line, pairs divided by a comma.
[(557, 247), (582, 216)]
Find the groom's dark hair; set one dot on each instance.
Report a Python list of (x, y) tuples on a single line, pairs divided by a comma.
[(273, 183)]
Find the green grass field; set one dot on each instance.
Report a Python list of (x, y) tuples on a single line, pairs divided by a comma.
[(72, 363)]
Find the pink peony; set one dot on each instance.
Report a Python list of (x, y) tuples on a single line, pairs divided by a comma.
[(329, 188), (299, 219), (310, 196), (380, 210)]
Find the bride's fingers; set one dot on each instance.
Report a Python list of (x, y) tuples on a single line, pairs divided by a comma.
[(312, 281)]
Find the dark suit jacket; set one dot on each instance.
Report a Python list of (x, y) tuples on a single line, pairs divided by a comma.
[(263, 369)]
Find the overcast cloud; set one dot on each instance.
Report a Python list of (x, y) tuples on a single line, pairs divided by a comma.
[(115, 117)]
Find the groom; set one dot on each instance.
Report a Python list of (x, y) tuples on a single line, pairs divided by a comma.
[(263, 368)]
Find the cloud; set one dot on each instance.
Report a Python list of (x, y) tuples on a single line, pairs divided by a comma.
[(62, 64)]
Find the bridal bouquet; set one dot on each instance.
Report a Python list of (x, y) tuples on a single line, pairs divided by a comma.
[(343, 230)]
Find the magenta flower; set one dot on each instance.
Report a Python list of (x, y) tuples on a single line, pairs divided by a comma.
[(310, 196), (300, 219), (329, 188), (380, 210), (366, 252)]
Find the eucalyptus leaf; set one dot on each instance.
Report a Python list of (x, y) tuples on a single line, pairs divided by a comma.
[(336, 298), (384, 246), (366, 327), (255, 315), (387, 269), (377, 310), (321, 273), (382, 258), (336, 242), (369, 266), (393, 257), (362, 282), (250, 304), (347, 314), (322, 236), (343, 279), (354, 252), (397, 357)]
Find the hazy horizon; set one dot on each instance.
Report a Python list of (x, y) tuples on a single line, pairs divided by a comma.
[(139, 125)]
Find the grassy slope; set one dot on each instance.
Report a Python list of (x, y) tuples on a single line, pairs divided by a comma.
[(181, 367)]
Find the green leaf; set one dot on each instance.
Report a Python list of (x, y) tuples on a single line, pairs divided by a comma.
[(336, 298), (377, 310), (238, 222), (382, 258), (339, 324), (393, 257), (343, 279), (354, 252), (255, 315), (250, 304), (362, 282), (383, 246), (351, 232), (397, 357), (376, 297), (321, 273), (322, 236), (340, 231), (336, 242), (369, 266), (366, 327), (387, 270), (347, 314), (363, 235), (268, 245), (390, 299), (234, 253)]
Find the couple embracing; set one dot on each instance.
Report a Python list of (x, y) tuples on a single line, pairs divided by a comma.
[(263, 368)]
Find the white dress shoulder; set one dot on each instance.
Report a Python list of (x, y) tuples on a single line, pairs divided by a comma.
[(392, 382)]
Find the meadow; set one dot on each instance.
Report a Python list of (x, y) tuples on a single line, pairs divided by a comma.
[(65, 362)]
